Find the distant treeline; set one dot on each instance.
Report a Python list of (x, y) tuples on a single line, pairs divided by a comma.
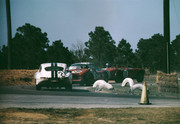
[(30, 47)]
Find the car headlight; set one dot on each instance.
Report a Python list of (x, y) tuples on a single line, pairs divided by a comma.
[(76, 71)]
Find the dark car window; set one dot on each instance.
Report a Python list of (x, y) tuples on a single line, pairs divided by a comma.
[(92, 66), (54, 68)]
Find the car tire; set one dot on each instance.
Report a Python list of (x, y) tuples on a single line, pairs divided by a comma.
[(82, 82), (38, 87), (119, 77), (140, 76), (125, 73), (106, 76), (68, 87), (90, 80)]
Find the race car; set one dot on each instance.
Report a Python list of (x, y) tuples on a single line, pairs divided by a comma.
[(53, 75), (119, 74), (86, 73)]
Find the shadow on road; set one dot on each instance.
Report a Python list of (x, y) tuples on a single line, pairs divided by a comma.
[(73, 90)]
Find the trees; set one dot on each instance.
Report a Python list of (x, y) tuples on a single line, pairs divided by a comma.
[(28, 47), (125, 55), (3, 57), (100, 46), (58, 53), (152, 52), (175, 54)]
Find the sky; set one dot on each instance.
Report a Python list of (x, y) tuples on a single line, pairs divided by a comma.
[(71, 20)]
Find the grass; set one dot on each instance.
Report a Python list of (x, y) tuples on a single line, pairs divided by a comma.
[(17, 77), (91, 116)]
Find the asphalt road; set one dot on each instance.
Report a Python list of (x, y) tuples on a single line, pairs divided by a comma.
[(79, 97)]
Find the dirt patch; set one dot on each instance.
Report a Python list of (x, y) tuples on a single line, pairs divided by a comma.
[(17, 77), (26, 115), (93, 116)]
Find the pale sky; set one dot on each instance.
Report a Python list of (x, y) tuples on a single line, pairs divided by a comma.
[(71, 20)]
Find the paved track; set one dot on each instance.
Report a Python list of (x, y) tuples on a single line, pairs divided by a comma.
[(79, 97)]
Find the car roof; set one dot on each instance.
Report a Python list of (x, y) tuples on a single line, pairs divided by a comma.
[(83, 63)]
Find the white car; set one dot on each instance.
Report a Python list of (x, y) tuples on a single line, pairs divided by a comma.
[(53, 75)]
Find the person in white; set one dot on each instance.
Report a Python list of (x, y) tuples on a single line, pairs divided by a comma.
[(100, 84), (132, 85)]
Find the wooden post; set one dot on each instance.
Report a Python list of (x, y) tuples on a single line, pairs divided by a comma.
[(167, 34), (9, 34)]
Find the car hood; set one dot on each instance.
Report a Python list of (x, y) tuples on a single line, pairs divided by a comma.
[(79, 71)]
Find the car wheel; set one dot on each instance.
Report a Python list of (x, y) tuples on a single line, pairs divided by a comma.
[(106, 77), (139, 79), (82, 82), (68, 87), (90, 80), (140, 76), (125, 73), (119, 77), (38, 87)]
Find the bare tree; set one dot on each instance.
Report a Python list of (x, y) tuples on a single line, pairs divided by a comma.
[(78, 51)]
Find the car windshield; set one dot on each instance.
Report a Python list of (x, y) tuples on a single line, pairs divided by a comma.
[(54, 68), (92, 66), (79, 66), (74, 67), (83, 66)]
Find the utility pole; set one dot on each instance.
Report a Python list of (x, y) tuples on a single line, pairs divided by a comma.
[(9, 34), (167, 34)]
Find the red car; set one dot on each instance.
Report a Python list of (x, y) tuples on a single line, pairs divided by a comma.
[(119, 74), (87, 73)]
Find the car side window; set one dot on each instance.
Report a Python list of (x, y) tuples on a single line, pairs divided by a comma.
[(93, 67)]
